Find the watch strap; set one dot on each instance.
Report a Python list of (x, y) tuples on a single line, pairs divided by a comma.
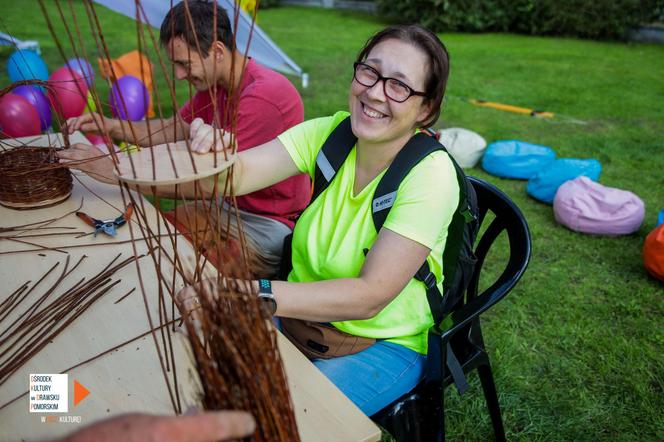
[(265, 294), (265, 286)]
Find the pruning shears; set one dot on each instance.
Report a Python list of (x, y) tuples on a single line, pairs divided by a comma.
[(108, 226)]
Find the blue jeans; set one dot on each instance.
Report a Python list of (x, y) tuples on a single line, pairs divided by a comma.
[(375, 377)]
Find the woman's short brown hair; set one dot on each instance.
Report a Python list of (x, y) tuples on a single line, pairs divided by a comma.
[(439, 61)]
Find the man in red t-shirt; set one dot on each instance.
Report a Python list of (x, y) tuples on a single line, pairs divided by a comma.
[(264, 104)]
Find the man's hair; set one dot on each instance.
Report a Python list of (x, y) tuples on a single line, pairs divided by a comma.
[(438, 58), (178, 24)]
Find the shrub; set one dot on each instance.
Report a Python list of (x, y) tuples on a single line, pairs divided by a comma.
[(268, 3), (599, 19)]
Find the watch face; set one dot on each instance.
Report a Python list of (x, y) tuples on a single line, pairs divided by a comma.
[(269, 303)]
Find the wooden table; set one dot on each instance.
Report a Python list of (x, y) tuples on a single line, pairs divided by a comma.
[(129, 378)]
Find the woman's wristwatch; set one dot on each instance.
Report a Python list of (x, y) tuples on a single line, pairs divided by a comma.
[(266, 296)]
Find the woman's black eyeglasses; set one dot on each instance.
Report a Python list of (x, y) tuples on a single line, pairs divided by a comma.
[(394, 89)]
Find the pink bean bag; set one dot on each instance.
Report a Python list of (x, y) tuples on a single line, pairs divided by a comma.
[(585, 206)]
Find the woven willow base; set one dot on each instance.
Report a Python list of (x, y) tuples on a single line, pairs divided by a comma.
[(40, 205), (31, 178)]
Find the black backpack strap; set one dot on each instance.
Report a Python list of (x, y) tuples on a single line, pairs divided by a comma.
[(330, 158), (441, 361), (385, 194), (439, 304), (463, 215), (434, 297), (332, 155), (417, 148), (455, 369)]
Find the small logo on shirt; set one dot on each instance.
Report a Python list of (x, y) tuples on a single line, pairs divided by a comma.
[(384, 202)]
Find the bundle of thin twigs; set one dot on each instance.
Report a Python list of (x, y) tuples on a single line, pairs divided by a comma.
[(25, 329), (239, 363), (234, 347)]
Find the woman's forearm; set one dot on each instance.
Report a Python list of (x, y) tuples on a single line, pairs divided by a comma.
[(383, 276), (331, 300)]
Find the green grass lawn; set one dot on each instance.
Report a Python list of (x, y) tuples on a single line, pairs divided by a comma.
[(576, 347)]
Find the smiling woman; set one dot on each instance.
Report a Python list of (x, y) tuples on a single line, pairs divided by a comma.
[(351, 301)]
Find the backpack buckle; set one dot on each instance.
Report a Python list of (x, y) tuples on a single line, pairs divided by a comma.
[(429, 280), (468, 215)]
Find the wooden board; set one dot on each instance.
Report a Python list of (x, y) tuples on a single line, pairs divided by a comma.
[(130, 378), (151, 166)]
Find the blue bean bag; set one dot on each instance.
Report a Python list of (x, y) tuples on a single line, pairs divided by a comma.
[(516, 159), (544, 185)]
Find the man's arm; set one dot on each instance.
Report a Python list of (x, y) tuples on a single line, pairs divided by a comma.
[(99, 166), (254, 169), (142, 133)]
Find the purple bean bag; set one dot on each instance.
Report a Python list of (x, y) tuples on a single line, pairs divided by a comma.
[(516, 159), (585, 206)]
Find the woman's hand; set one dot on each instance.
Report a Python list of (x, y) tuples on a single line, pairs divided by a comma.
[(205, 138), (88, 159), (189, 298)]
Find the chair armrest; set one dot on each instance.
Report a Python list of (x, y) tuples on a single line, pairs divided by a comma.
[(466, 314)]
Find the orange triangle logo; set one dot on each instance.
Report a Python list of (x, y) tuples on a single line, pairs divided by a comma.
[(80, 392)]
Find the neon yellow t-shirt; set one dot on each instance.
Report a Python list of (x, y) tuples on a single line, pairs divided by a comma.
[(330, 236)]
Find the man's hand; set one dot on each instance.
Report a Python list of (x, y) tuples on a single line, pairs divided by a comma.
[(205, 138), (92, 122), (90, 160), (209, 426)]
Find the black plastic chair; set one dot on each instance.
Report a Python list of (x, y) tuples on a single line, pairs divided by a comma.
[(419, 414)]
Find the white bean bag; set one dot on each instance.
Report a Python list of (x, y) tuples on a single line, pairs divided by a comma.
[(465, 146)]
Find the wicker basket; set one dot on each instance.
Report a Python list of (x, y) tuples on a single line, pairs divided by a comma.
[(30, 178)]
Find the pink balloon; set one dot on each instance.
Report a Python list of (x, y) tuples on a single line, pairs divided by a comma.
[(18, 118), (68, 92)]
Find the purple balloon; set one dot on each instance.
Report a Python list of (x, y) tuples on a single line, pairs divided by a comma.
[(129, 98), (83, 68), (39, 101)]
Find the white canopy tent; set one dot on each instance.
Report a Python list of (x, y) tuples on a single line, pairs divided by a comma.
[(10, 40), (262, 48)]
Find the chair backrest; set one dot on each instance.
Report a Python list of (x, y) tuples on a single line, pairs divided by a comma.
[(509, 219), (418, 415)]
